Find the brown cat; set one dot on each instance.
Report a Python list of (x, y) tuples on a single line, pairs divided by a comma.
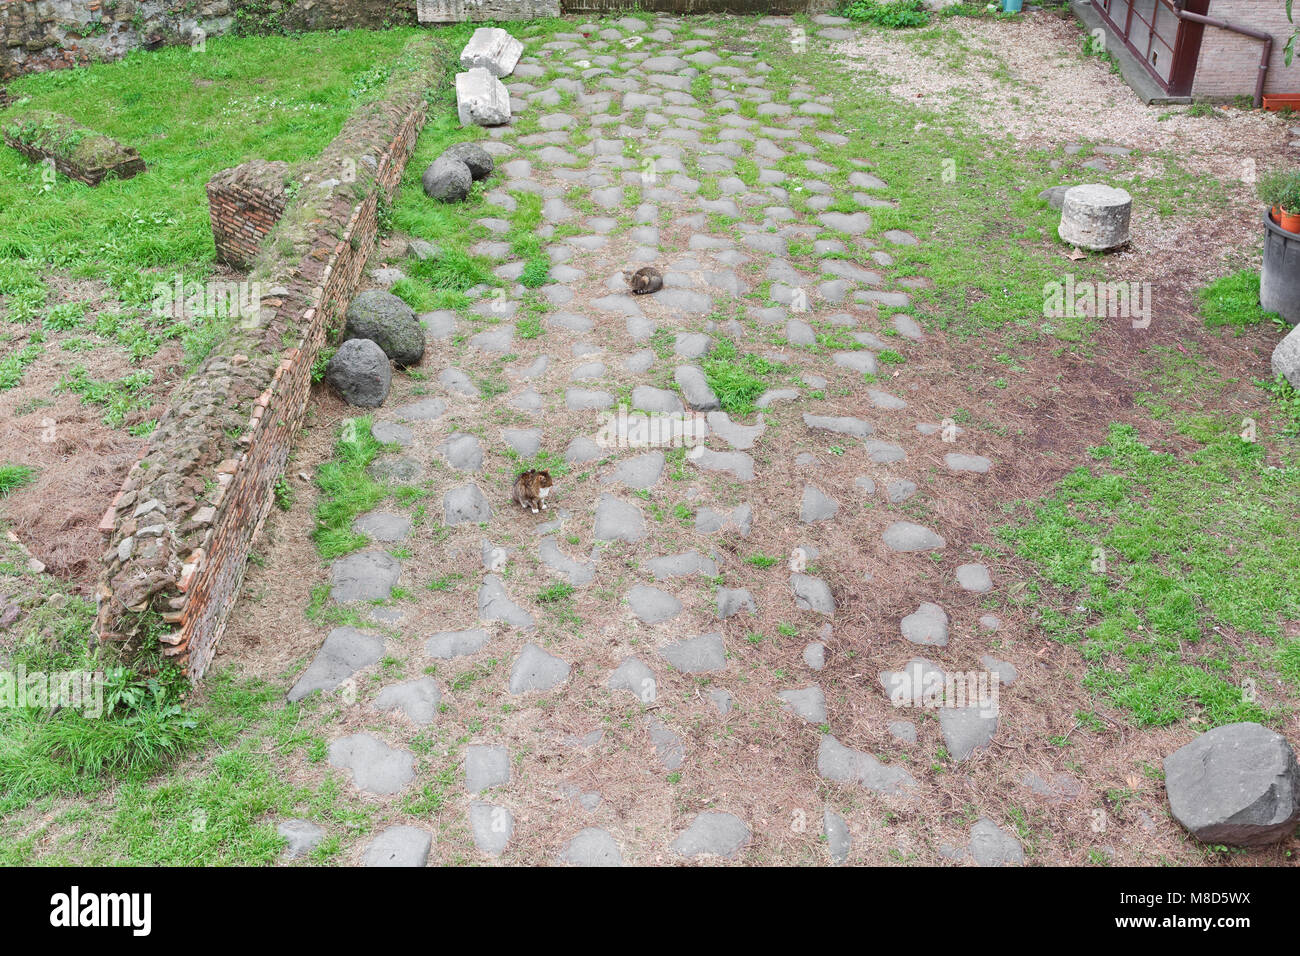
[(644, 281), (530, 490)]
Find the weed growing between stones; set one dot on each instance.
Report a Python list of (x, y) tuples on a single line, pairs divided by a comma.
[(347, 490)]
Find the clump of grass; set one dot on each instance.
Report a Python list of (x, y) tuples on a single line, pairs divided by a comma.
[(346, 490), (896, 14), (1233, 300), (738, 379), (13, 477)]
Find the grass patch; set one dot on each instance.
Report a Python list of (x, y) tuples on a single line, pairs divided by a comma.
[(1233, 300), (346, 490), (737, 378), (13, 477)]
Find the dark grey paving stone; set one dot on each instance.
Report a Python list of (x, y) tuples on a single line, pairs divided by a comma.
[(446, 645), (812, 594), (417, 699), (732, 601), (817, 505), (577, 573), (582, 450), (976, 463), (808, 702), (465, 504), (735, 463), (652, 605), (635, 677), (840, 425), (639, 472), (491, 826), (708, 521), (713, 833), (486, 767), (927, 625), (463, 452), (695, 388), (974, 577), (495, 605), (904, 731), (399, 846), (991, 845), (740, 437), (344, 652), (391, 433), (383, 526), (838, 841), (721, 701), (584, 399), (1005, 672), (592, 847), (967, 729), (814, 655), (682, 565), (303, 836), (660, 400), (535, 669), (426, 409), (524, 441), (376, 767), (618, 520), (669, 748), (908, 536), (697, 655), (842, 764), (364, 576)]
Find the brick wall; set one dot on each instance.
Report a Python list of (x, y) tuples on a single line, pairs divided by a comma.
[(244, 204), (1229, 62), (180, 530)]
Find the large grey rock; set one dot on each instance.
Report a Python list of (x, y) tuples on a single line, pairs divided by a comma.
[(967, 729), (1237, 785), (465, 504), (481, 98), (990, 845), (844, 765), (491, 826), (478, 160), (344, 652), (492, 49), (652, 605), (387, 321), (359, 371), (812, 594), (713, 833), (486, 767), (303, 836), (535, 669), (1096, 217), (376, 767), (1286, 357), (399, 846), (447, 179), (618, 520), (695, 388), (448, 644), (697, 655), (909, 536), (417, 699), (592, 847), (928, 624), (364, 576), (495, 605), (733, 601)]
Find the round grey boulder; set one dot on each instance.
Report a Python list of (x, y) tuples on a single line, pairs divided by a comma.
[(387, 321), (360, 373), (447, 180), (1237, 785), (475, 157)]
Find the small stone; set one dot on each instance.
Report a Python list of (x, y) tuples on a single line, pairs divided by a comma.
[(535, 669), (303, 836), (712, 833), (993, 846), (974, 577), (486, 767), (399, 846), (376, 767)]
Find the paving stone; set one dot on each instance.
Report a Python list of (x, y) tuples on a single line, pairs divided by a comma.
[(669, 747), (535, 669), (927, 625), (491, 826), (344, 652), (714, 834), (814, 655), (737, 436), (904, 731), (861, 361), (721, 700), (465, 504), (382, 526), (840, 425), (808, 702), (967, 729), (635, 677), (639, 472), (974, 577), (697, 655), (486, 767), (618, 520), (659, 400), (695, 388), (991, 621), (817, 505), (303, 836), (812, 594), (991, 845), (463, 452), (708, 521), (364, 576), (417, 699), (732, 601), (842, 764), (399, 846), (909, 536), (899, 490), (652, 605), (773, 395), (446, 645), (681, 565), (426, 409), (838, 841), (495, 605), (376, 767), (735, 463), (975, 463), (577, 573), (592, 847), (907, 327)]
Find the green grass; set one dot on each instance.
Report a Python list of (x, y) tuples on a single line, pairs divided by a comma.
[(13, 477), (346, 490), (738, 379), (1233, 300), (1201, 568)]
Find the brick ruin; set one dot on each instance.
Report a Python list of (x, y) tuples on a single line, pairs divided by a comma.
[(77, 152), (181, 528), (244, 204)]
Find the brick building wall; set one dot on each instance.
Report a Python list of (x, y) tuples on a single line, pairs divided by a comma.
[(1229, 62), (244, 205), (180, 531)]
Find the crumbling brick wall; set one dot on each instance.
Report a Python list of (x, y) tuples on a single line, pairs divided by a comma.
[(180, 530), (244, 204)]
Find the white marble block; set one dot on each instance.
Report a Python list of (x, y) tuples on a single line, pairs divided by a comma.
[(493, 49), (481, 98)]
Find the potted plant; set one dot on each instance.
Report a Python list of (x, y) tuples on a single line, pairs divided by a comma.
[(1281, 191)]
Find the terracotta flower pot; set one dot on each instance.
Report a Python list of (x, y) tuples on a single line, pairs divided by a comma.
[(1275, 214), (1290, 221)]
